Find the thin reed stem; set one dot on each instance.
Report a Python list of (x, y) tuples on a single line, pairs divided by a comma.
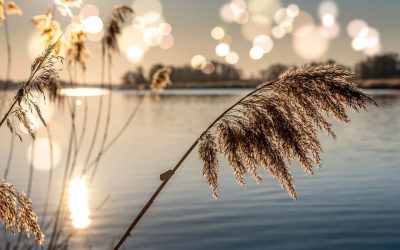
[(9, 52), (99, 112), (53, 239), (10, 156), (121, 131), (50, 177), (108, 117), (172, 172)]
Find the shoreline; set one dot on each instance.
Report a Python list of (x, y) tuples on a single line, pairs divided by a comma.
[(389, 83)]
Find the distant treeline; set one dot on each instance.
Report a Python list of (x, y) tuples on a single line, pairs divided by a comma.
[(377, 67), (384, 66)]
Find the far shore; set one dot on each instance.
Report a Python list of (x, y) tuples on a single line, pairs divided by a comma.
[(389, 83)]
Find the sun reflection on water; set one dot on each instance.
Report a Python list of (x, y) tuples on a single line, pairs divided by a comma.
[(83, 92), (78, 204)]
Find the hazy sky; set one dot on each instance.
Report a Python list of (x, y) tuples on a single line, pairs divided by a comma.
[(192, 21)]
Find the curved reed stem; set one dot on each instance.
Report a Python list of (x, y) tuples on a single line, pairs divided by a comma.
[(53, 239), (9, 52), (107, 146), (170, 173), (9, 158), (269, 128), (8, 74), (50, 177), (98, 117)]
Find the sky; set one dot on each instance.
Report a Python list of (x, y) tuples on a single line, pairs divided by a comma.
[(192, 21)]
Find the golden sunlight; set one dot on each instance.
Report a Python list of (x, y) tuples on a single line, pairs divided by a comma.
[(78, 204), (83, 92)]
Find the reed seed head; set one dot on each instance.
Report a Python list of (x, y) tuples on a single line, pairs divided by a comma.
[(16, 213), (277, 124)]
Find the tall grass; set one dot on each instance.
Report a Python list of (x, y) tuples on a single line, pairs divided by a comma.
[(17, 209), (272, 126)]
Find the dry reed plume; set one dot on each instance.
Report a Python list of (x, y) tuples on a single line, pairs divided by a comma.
[(8, 8), (273, 126), (278, 124), (161, 79), (114, 29), (16, 212), (43, 76)]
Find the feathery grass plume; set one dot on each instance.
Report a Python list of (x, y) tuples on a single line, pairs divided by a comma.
[(64, 6), (272, 126), (16, 212), (43, 75), (161, 79), (114, 28), (48, 28), (77, 51), (277, 124)]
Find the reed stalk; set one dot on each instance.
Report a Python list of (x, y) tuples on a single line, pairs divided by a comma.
[(172, 172), (270, 127)]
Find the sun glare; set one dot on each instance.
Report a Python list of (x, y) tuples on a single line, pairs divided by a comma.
[(78, 204), (83, 92)]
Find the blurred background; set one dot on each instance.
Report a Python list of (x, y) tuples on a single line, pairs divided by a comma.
[(110, 137)]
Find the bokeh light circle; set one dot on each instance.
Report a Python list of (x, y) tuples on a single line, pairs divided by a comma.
[(89, 10), (328, 7), (197, 61), (41, 154), (217, 33), (264, 42), (207, 68), (252, 29), (303, 24), (93, 24), (355, 27), (222, 49), (312, 46), (256, 52), (232, 57), (167, 42), (135, 53)]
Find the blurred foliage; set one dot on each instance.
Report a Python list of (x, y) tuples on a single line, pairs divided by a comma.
[(378, 67)]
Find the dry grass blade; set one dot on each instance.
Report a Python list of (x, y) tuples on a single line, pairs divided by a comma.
[(277, 124), (16, 212)]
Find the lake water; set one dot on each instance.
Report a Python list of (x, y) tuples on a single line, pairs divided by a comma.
[(353, 202)]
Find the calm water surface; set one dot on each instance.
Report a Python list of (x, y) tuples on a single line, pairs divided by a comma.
[(353, 202)]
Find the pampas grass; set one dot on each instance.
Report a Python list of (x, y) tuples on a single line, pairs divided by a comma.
[(161, 79), (273, 126), (277, 124), (43, 75), (16, 209), (16, 212)]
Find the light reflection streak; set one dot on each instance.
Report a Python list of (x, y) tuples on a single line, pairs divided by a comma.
[(78, 204), (84, 92)]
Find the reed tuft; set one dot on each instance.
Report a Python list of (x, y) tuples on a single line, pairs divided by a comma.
[(16, 212), (114, 28), (44, 75), (277, 124), (161, 79), (8, 8)]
